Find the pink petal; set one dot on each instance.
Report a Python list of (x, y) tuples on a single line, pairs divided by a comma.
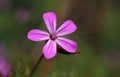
[(50, 21), (50, 49), (67, 44), (37, 35), (66, 28)]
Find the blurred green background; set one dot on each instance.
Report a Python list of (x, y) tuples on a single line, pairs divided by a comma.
[(98, 37)]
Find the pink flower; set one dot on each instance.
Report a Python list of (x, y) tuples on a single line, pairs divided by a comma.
[(5, 4), (54, 36), (23, 15), (5, 67)]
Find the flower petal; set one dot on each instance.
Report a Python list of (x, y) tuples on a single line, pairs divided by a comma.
[(37, 35), (50, 21), (50, 49), (67, 44), (66, 28)]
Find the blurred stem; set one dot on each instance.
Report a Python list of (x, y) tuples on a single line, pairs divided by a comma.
[(36, 65)]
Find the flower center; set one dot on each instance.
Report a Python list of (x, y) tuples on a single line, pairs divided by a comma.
[(53, 36)]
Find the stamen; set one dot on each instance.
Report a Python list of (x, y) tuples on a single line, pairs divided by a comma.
[(53, 36)]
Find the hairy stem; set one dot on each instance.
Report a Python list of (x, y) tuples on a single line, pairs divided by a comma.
[(36, 65)]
